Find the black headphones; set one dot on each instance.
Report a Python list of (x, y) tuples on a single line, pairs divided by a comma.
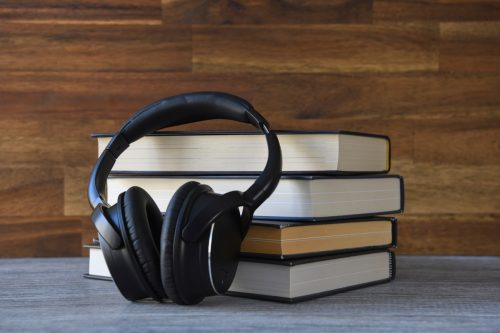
[(191, 252)]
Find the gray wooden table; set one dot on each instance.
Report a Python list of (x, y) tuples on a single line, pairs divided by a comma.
[(441, 294)]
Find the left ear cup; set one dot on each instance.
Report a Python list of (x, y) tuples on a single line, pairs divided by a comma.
[(143, 222)]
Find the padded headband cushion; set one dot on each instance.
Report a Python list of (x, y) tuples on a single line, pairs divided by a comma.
[(167, 239), (143, 221), (188, 108)]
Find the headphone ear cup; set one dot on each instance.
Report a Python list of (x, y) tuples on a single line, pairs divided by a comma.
[(167, 239), (143, 222)]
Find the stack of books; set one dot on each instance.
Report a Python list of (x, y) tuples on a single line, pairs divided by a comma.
[(320, 232)]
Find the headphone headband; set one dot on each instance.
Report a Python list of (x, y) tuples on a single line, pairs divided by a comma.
[(184, 109), (189, 108)]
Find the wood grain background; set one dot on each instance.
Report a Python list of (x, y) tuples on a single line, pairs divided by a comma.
[(427, 73)]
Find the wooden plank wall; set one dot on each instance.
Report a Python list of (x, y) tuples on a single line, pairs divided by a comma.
[(427, 73)]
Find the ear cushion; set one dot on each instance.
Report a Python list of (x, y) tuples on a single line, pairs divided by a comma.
[(167, 239), (143, 221)]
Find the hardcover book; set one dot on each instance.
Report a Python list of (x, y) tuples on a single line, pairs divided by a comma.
[(293, 280), (246, 152), (97, 265), (285, 239), (306, 198), (302, 279)]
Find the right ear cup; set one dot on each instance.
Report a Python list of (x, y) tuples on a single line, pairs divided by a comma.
[(143, 222), (167, 239)]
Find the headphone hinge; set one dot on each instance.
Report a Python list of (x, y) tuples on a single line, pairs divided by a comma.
[(212, 210), (105, 229)]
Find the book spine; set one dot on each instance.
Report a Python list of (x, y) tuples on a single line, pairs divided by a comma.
[(392, 265), (394, 232)]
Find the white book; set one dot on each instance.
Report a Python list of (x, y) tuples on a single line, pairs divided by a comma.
[(301, 279), (295, 279), (98, 269), (295, 198), (246, 152)]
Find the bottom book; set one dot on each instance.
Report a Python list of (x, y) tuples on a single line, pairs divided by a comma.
[(292, 280), (98, 269), (303, 279)]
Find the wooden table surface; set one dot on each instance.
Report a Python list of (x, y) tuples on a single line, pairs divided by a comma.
[(445, 294)]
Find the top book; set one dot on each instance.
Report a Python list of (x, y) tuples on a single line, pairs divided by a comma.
[(217, 152)]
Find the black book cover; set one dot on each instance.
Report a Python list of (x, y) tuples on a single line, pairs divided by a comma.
[(230, 132), (97, 277)]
